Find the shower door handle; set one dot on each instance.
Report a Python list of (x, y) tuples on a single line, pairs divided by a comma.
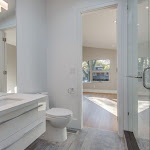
[(144, 78), (137, 77)]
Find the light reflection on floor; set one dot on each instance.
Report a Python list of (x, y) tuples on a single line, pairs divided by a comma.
[(111, 105), (143, 105), (107, 104)]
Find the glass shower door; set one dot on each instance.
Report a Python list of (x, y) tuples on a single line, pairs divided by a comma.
[(139, 71), (144, 71)]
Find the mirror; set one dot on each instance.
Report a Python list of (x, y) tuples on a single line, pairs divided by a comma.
[(8, 55)]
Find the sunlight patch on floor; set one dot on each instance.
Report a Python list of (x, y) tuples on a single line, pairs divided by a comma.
[(105, 103), (143, 105)]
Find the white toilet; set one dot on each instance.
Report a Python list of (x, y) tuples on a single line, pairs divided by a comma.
[(57, 120)]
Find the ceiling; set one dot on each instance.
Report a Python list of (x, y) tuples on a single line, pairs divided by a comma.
[(11, 9), (99, 29)]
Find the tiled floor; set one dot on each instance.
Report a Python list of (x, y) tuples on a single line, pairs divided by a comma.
[(86, 139), (143, 144)]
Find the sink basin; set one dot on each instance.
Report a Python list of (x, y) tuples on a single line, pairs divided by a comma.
[(8, 101)]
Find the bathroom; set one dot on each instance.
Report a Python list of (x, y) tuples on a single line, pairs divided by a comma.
[(49, 59)]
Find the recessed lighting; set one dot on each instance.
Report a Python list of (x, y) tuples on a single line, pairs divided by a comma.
[(138, 24), (115, 21), (147, 7)]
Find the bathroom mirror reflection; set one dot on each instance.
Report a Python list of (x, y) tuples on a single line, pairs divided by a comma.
[(8, 56)]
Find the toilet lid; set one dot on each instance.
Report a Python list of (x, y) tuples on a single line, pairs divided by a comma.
[(59, 112)]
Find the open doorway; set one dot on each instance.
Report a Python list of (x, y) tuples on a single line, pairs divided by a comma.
[(99, 30), (9, 60)]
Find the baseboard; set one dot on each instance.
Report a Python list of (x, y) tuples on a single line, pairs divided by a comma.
[(74, 124), (99, 91)]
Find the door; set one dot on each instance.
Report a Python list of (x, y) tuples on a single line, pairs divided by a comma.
[(139, 70)]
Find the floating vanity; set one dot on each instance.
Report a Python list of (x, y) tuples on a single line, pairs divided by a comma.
[(22, 120)]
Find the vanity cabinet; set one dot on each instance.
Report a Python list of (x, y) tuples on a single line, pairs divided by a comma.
[(18, 129)]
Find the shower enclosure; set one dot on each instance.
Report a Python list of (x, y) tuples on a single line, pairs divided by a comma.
[(139, 70)]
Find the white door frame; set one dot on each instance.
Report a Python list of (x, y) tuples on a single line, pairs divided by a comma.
[(121, 56), (3, 65)]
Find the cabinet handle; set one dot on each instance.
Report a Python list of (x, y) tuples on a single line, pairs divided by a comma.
[(20, 114), (22, 136)]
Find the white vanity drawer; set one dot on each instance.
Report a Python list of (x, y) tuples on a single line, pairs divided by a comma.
[(23, 138), (24, 109), (21, 119)]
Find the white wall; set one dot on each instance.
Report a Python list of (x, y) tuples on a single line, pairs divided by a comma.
[(90, 53), (31, 46), (64, 54), (11, 68)]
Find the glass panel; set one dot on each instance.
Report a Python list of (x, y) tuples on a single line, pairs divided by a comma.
[(86, 71), (143, 62), (138, 64), (100, 76), (101, 65)]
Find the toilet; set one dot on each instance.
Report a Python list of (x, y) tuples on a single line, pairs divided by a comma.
[(57, 120)]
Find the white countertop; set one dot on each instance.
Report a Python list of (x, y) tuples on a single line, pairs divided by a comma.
[(22, 101)]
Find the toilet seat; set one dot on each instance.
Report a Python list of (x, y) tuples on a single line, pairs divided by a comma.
[(58, 113)]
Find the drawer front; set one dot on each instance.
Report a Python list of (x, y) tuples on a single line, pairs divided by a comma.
[(19, 122), (23, 138), (23, 109)]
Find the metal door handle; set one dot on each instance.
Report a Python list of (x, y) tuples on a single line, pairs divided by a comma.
[(144, 81), (137, 77)]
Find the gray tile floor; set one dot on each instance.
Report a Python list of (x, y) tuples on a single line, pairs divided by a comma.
[(144, 144), (86, 139)]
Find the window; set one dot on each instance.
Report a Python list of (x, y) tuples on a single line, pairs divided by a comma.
[(86, 71), (101, 76), (98, 70), (100, 65)]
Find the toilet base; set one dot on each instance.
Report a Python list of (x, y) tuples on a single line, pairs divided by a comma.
[(54, 134)]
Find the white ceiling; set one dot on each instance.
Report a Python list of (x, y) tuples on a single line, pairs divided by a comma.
[(11, 36), (11, 9), (99, 29)]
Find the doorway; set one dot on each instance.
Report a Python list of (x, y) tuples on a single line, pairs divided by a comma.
[(99, 66), (9, 60)]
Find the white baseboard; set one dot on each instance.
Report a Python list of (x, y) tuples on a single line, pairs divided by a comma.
[(99, 91)]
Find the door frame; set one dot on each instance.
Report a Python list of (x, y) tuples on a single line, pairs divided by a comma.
[(3, 79), (121, 56)]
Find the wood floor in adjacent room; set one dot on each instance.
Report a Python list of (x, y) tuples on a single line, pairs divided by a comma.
[(86, 139), (100, 111)]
